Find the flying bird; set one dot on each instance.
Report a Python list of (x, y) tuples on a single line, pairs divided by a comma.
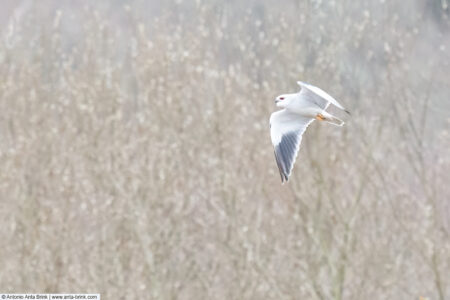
[(288, 125)]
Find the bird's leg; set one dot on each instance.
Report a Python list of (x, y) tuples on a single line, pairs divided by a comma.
[(320, 117)]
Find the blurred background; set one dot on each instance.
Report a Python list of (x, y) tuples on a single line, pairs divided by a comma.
[(136, 162)]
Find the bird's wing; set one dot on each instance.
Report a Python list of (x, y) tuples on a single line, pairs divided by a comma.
[(286, 130), (313, 92)]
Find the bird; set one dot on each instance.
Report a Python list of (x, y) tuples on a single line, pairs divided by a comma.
[(287, 125)]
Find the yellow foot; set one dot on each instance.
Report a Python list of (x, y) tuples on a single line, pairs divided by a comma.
[(320, 117)]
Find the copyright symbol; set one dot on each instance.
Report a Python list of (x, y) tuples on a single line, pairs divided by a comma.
[(3, 296)]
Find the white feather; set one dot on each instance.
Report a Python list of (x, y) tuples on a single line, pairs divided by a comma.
[(320, 93), (286, 130)]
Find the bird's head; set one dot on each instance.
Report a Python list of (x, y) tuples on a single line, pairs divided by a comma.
[(284, 100)]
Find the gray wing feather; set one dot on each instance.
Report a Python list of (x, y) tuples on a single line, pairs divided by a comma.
[(286, 132), (286, 152)]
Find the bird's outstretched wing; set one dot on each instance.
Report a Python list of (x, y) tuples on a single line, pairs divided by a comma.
[(317, 96), (286, 130)]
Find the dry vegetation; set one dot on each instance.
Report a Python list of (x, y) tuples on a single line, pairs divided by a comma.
[(136, 161)]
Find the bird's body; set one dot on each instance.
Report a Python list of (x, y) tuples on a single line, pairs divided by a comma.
[(288, 125)]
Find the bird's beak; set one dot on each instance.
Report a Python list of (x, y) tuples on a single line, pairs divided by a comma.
[(276, 101)]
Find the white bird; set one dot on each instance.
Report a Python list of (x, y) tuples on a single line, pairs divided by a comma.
[(288, 125)]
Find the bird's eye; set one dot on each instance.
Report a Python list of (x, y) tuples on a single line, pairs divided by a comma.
[(281, 98)]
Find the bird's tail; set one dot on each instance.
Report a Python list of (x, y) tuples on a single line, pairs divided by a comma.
[(324, 116)]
